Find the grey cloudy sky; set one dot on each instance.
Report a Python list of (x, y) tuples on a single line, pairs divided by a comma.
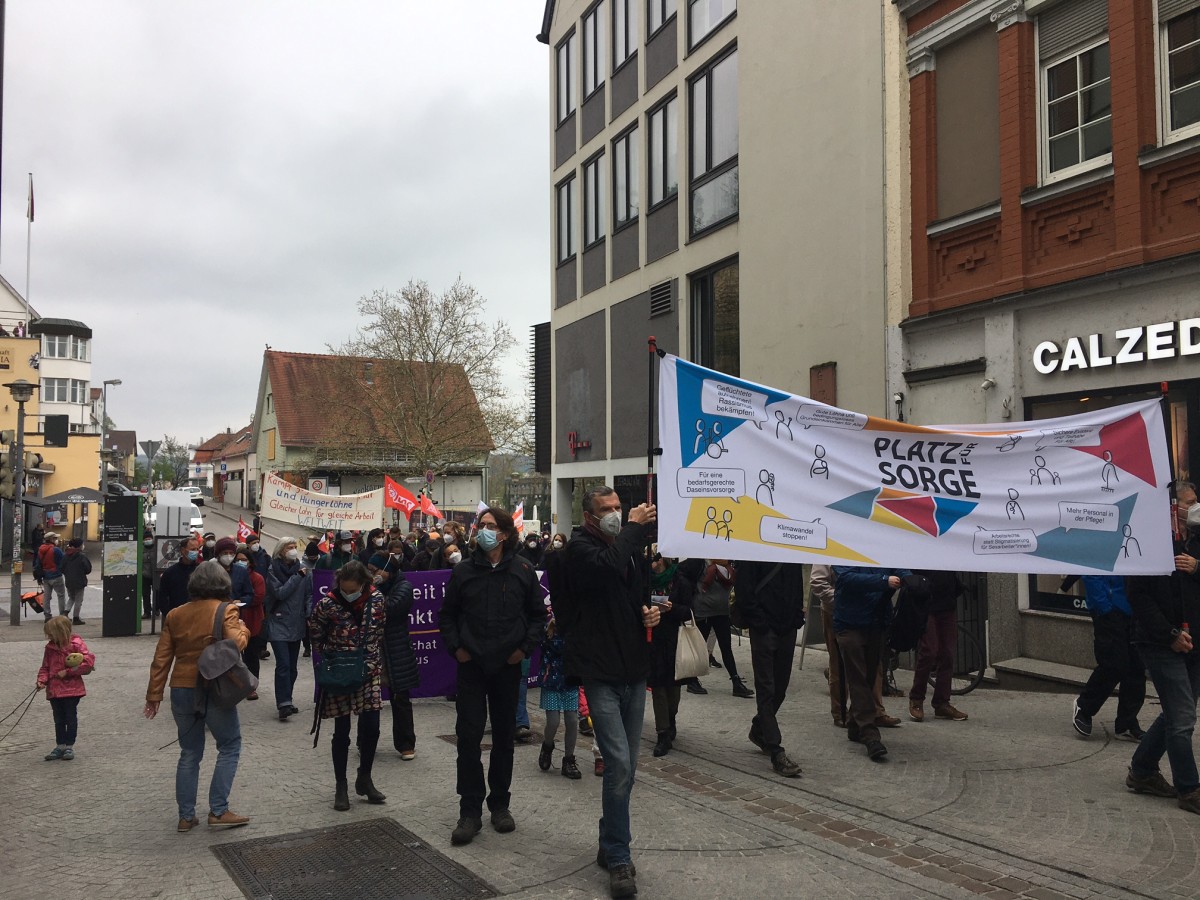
[(214, 176)]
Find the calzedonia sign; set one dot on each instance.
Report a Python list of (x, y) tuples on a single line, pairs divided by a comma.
[(1141, 343)]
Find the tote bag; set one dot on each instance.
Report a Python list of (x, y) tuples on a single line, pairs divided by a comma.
[(691, 653)]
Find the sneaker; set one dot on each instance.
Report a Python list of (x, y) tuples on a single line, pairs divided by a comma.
[(284, 712), (522, 734), (695, 687), (876, 751), (757, 741), (602, 861), (56, 753), (503, 821), (408, 755), (227, 819), (886, 721), (78, 621), (598, 767), (569, 769), (544, 758), (621, 881), (740, 689), (784, 766), (1190, 801), (1082, 723), (466, 829), (68, 753), (293, 710), (1132, 733), (186, 825), (712, 662), (1154, 785), (946, 711), (916, 711)]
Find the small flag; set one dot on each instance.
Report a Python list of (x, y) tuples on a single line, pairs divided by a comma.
[(29, 206), (324, 545), (397, 496), (429, 509), (243, 531), (519, 517)]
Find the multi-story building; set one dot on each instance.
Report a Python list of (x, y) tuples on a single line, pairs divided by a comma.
[(717, 180), (1055, 237)]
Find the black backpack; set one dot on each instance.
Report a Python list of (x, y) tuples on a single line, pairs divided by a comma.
[(912, 612)]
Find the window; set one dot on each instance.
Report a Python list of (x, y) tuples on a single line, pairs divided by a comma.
[(79, 348), (1078, 109), (658, 12), (716, 323), (270, 443), (1181, 71), (565, 81), (624, 32), (56, 346), (625, 178), (54, 390), (593, 50), (593, 200), (706, 16), (568, 233), (664, 140), (714, 144), (79, 391)]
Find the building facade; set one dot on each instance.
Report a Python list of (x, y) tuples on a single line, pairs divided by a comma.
[(1054, 239), (717, 180)]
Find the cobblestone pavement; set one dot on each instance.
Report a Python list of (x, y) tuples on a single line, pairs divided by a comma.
[(1008, 804)]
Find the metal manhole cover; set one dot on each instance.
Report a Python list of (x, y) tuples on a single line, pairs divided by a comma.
[(372, 860)]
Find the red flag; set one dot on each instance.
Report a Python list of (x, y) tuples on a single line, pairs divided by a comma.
[(243, 531), (397, 496), (518, 517), (429, 509), (324, 545)]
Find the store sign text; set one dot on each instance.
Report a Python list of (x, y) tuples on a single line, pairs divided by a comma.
[(1164, 340)]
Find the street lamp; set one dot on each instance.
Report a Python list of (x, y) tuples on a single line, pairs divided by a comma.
[(104, 435), (22, 392)]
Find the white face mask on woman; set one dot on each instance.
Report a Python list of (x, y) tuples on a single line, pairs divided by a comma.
[(557, 545), (293, 554), (454, 558)]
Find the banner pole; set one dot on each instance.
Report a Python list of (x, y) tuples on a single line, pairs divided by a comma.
[(650, 410)]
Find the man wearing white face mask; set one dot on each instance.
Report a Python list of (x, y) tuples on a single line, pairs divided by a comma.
[(242, 591), (341, 553), (262, 559)]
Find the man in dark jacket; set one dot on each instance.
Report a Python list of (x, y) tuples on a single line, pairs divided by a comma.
[(76, 567), (339, 554), (935, 652), (1164, 610), (862, 609), (770, 600), (604, 616), (399, 658), (262, 559), (1117, 660), (491, 620), (173, 585)]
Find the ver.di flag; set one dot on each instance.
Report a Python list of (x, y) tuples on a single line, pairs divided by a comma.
[(751, 472), (397, 496)]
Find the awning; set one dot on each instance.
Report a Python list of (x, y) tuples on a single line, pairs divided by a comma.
[(74, 495)]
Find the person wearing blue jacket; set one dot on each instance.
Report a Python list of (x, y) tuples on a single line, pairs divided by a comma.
[(1117, 660), (862, 609), (289, 599)]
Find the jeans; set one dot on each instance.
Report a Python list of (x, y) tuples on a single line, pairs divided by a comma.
[(861, 653), (75, 601), (522, 719), (404, 733), (66, 720), (480, 695), (935, 653), (1176, 677), (226, 731), (1117, 663), (368, 740), (771, 656), (55, 586), (617, 713), (287, 657)]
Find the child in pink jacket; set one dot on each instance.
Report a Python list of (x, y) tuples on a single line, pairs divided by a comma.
[(63, 682)]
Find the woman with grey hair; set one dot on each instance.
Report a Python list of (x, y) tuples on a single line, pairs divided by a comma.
[(186, 631), (289, 596)]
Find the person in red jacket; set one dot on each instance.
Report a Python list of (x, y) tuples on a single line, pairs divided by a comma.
[(253, 613), (65, 661)]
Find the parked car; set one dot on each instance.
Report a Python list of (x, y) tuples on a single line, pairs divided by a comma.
[(116, 489), (197, 494), (196, 523)]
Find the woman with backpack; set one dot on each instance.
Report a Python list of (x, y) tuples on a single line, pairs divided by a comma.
[(186, 631)]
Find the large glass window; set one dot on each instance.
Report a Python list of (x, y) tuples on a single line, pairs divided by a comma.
[(1077, 109), (624, 31), (716, 319), (593, 200), (56, 346), (568, 233), (55, 390), (1181, 82), (657, 13), (664, 149), (593, 50), (79, 348), (565, 79), (79, 391), (625, 178), (705, 16), (714, 144)]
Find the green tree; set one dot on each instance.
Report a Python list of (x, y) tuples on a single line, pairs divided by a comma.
[(172, 462)]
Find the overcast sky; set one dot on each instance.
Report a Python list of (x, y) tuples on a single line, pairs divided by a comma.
[(214, 176)]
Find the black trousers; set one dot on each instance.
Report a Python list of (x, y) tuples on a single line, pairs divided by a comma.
[(253, 648), (368, 740), (479, 696), (720, 624), (1117, 663), (147, 597), (404, 735), (771, 655)]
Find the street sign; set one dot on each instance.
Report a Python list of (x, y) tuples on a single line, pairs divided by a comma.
[(429, 476), (223, 467), (415, 479), (198, 470)]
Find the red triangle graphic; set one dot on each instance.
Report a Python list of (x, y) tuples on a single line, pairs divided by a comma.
[(1126, 439), (918, 510)]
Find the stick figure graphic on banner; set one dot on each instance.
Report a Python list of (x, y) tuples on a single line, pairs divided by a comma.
[(1130, 540), (766, 482), (724, 524), (712, 520), (780, 422), (1010, 444), (1109, 471), (1035, 475), (819, 468), (716, 446), (1012, 507), (708, 439)]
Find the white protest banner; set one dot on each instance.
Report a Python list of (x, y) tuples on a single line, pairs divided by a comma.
[(750, 472), (320, 512)]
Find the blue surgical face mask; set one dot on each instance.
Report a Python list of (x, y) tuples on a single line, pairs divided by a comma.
[(351, 597), (192, 555), (487, 540), (242, 563)]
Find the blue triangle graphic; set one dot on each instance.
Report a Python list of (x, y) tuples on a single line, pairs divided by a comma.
[(861, 504), (948, 512), (1096, 549), (700, 433)]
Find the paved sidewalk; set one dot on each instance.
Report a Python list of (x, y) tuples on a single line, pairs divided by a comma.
[(1008, 804)]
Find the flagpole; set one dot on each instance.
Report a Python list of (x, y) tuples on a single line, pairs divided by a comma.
[(28, 235)]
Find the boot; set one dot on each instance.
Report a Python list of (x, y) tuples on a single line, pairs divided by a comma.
[(569, 769), (341, 800), (740, 689), (364, 788), (663, 746), (544, 758)]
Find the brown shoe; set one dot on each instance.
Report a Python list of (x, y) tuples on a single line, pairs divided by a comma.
[(227, 819), (886, 721), (1190, 801), (916, 711), (186, 825), (946, 711)]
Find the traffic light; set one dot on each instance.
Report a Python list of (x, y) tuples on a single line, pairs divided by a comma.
[(32, 460), (7, 481)]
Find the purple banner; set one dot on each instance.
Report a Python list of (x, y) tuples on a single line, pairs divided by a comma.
[(437, 668)]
